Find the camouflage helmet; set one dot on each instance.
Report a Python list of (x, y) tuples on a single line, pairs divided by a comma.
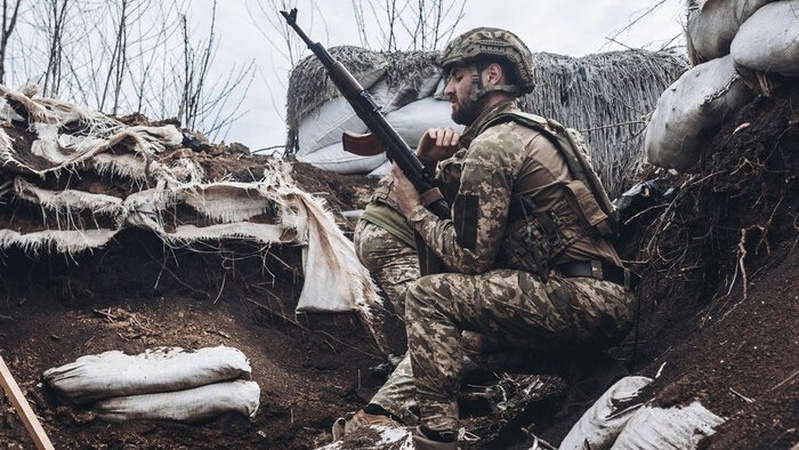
[(492, 43)]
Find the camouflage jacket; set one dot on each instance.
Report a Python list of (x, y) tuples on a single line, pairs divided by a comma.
[(384, 212), (489, 171)]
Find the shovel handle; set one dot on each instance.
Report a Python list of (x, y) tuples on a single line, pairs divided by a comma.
[(24, 410)]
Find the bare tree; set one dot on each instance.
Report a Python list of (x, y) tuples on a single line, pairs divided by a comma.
[(117, 66), (277, 32), (202, 100), (282, 40), (56, 18), (10, 12), (635, 19), (407, 24), (149, 54), (125, 56)]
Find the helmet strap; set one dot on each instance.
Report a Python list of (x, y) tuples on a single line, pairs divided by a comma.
[(477, 84), (509, 88), (478, 90)]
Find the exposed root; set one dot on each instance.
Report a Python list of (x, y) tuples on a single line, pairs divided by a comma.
[(727, 216)]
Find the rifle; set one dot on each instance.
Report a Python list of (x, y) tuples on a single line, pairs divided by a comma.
[(397, 150)]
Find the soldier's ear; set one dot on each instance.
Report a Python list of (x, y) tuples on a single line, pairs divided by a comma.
[(494, 74)]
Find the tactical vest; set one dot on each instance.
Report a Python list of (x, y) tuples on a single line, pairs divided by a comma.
[(535, 239)]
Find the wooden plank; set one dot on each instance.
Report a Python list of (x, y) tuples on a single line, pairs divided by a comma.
[(24, 410)]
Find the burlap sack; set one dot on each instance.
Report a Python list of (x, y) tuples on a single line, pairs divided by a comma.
[(769, 40)]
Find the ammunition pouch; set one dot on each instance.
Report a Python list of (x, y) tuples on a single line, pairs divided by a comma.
[(592, 218), (534, 239)]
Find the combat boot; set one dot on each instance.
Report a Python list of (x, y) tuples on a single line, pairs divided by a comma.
[(358, 420), (588, 377)]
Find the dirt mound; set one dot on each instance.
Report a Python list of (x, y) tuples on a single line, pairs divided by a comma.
[(723, 312), (718, 307), (137, 293), (718, 311)]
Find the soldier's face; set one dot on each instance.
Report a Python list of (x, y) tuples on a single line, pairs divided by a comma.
[(458, 88)]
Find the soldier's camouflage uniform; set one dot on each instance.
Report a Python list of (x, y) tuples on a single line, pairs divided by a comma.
[(487, 292), (384, 244)]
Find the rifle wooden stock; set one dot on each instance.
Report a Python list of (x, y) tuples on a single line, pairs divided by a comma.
[(362, 144)]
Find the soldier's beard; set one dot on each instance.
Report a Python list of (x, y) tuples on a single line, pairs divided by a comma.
[(465, 111)]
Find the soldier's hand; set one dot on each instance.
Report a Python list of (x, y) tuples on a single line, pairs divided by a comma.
[(437, 144), (404, 193)]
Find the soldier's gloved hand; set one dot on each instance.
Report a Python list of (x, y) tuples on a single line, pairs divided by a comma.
[(437, 144)]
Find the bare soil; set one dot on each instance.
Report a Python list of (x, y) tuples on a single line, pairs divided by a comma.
[(718, 316)]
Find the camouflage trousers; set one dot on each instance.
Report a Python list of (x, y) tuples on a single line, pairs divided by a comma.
[(393, 263), (398, 394), (521, 323)]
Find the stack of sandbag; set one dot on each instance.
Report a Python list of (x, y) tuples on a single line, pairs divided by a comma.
[(618, 420), (727, 39), (713, 24), (159, 384)]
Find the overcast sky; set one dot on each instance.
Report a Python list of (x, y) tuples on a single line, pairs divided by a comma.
[(568, 27)]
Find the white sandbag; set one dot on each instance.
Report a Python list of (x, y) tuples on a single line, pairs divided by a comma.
[(769, 40), (678, 428), (115, 374), (335, 280), (712, 25), (324, 126), (413, 119), (410, 122), (381, 170), (431, 86), (692, 107), (61, 241), (374, 437), (335, 159), (598, 427), (189, 405), (319, 134), (388, 98)]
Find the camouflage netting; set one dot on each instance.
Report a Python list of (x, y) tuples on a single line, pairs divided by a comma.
[(606, 96)]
